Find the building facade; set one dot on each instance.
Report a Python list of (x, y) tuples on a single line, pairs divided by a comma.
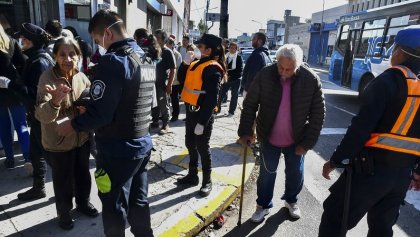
[(300, 35), (275, 33), (323, 32), (363, 5), (170, 15)]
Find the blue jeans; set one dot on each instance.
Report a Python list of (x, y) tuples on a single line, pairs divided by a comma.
[(270, 157), (18, 113)]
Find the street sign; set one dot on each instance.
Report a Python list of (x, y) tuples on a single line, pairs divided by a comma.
[(194, 33), (213, 17)]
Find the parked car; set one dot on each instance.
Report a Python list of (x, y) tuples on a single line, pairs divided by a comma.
[(273, 55), (245, 54)]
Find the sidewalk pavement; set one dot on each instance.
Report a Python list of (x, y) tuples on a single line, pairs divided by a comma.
[(320, 69), (175, 211)]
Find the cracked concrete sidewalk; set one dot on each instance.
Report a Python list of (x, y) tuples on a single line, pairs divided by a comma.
[(175, 211)]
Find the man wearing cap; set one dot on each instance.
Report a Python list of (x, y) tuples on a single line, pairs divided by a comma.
[(383, 146)]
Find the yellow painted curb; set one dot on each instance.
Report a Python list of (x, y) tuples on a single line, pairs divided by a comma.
[(215, 206), (191, 225), (186, 227)]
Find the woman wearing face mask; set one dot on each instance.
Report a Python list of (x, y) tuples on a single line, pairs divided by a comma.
[(33, 40), (68, 156), (200, 92), (11, 103)]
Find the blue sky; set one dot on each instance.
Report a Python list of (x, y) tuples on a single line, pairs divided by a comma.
[(242, 12)]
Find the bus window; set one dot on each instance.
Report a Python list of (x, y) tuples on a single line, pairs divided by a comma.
[(342, 43), (396, 24), (380, 23), (399, 21), (370, 43)]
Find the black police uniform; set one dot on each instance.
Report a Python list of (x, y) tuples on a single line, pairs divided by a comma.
[(122, 94), (211, 78), (381, 184)]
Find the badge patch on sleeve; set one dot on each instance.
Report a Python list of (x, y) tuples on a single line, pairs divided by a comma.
[(98, 89)]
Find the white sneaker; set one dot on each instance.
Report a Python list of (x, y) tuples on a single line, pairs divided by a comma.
[(259, 214), (294, 210), (229, 115), (28, 168)]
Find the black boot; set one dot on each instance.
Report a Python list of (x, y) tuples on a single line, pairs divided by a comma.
[(65, 221), (36, 192), (88, 209), (206, 186), (190, 179)]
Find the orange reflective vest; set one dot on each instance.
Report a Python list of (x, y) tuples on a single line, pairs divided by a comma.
[(194, 82), (397, 139)]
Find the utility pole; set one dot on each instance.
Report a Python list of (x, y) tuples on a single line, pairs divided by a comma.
[(207, 12), (224, 19), (320, 34)]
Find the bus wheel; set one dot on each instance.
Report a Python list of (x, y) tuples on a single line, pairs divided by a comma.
[(363, 83)]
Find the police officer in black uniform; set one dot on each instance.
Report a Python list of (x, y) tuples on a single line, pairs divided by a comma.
[(201, 100), (383, 142), (122, 96)]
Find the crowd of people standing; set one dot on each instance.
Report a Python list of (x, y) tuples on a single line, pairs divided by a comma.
[(108, 103)]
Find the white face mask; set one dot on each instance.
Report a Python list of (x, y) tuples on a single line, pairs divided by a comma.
[(20, 42), (102, 49)]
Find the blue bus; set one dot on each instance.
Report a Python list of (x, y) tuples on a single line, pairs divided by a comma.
[(365, 41)]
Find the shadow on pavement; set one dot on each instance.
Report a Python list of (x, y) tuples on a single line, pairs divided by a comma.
[(20, 211), (268, 228)]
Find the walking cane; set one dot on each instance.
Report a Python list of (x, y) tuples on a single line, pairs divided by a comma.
[(242, 185), (347, 192)]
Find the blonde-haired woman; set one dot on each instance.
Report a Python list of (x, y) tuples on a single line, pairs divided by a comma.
[(68, 156)]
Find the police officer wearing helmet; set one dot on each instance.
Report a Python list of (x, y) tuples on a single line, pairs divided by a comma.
[(383, 144), (122, 97), (200, 93)]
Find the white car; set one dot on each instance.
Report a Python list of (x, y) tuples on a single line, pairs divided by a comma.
[(273, 55)]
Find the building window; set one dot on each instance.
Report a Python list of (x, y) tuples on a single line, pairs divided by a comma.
[(352, 9), (367, 5), (379, 3), (385, 2), (363, 6), (373, 4), (357, 9)]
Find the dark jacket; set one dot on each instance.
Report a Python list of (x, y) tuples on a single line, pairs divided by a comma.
[(237, 72), (257, 60), (38, 61), (307, 105), (107, 92), (10, 65), (380, 107)]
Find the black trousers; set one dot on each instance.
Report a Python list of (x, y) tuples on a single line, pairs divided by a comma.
[(36, 151), (70, 173), (163, 107), (127, 199), (379, 195), (176, 92), (198, 144)]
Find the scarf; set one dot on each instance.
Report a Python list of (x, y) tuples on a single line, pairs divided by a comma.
[(232, 58)]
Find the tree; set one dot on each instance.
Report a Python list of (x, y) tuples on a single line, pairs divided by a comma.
[(202, 27)]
